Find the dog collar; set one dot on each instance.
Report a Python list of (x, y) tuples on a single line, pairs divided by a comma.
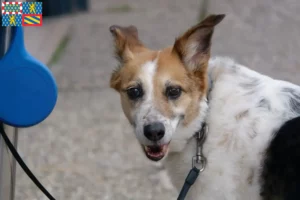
[(199, 160)]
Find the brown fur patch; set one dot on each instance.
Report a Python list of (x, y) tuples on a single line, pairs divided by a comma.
[(126, 42)]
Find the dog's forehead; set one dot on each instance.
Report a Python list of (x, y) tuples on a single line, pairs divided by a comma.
[(132, 69), (161, 65), (170, 66)]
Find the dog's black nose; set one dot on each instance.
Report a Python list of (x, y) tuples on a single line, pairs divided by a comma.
[(154, 131)]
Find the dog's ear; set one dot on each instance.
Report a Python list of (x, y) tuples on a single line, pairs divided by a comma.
[(127, 42), (193, 47), (127, 45)]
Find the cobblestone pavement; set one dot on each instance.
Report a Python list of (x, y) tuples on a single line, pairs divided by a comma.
[(85, 149)]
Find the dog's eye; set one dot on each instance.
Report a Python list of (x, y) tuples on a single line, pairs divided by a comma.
[(135, 93), (173, 92)]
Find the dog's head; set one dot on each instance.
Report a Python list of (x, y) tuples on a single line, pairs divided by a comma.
[(163, 92)]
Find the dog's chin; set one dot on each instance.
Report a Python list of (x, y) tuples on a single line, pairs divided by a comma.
[(156, 152)]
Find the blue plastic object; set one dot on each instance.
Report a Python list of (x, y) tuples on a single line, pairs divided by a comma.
[(28, 88)]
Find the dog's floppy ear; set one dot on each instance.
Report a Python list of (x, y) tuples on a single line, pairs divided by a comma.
[(193, 47), (126, 41)]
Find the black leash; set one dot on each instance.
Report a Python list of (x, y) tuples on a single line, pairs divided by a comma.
[(199, 160), (189, 181), (23, 165)]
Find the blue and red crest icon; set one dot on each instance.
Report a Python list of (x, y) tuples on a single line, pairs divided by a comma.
[(22, 14)]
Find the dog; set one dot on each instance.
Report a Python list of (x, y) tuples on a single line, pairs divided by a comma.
[(252, 144)]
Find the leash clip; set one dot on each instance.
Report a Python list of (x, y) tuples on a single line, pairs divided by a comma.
[(199, 161)]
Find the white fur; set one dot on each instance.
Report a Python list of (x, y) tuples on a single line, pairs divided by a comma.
[(144, 113), (239, 132)]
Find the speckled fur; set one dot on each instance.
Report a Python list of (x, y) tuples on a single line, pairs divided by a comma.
[(246, 109)]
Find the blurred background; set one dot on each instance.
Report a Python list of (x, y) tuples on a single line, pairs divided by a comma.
[(85, 149)]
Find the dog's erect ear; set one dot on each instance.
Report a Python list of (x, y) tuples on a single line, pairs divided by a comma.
[(193, 47), (127, 42)]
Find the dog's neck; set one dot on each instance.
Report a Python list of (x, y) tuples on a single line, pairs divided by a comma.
[(184, 134)]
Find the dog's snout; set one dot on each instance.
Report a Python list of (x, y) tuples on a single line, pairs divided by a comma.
[(154, 131)]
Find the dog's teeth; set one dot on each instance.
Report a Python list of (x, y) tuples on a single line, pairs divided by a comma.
[(156, 151)]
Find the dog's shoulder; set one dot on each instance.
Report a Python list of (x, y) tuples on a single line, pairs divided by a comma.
[(264, 115), (246, 97), (232, 80)]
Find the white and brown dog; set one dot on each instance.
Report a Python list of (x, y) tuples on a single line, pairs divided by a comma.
[(252, 144)]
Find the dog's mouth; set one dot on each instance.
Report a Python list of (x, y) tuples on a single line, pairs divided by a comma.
[(156, 152)]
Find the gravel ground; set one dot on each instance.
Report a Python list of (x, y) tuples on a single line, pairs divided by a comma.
[(85, 149)]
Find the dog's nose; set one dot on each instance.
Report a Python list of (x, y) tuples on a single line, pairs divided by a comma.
[(154, 131)]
